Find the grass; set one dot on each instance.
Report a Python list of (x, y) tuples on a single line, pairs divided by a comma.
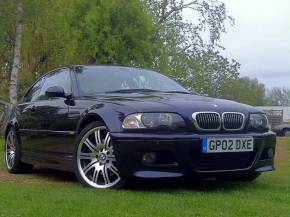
[(2, 146), (60, 196)]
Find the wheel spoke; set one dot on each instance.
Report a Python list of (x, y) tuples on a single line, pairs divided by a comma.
[(105, 175), (13, 138), (9, 138), (107, 141), (88, 167), (96, 175), (111, 157), (9, 156), (9, 161), (114, 170), (90, 145), (9, 141), (13, 156), (12, 160), (98, 137), (86, 156)]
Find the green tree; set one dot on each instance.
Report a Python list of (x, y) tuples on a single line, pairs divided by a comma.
[(98, 31), (278, 97), (245, 90), (209, 16), (146, 33), (211, 72), (188, 55), (47, 38), (113, 32)]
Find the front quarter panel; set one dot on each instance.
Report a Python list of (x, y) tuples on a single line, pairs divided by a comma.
[(111, 114)]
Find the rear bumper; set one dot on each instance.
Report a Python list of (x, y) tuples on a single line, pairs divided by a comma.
[(181, 155)]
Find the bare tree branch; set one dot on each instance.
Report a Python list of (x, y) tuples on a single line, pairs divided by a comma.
[(164, 16)]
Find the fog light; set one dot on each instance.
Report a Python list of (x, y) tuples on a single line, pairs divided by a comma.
[(149, 158), (270, 152)]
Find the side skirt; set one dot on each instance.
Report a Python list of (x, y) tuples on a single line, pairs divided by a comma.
[(59, 161)]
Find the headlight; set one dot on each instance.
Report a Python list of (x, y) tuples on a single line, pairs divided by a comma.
[(153, 120), (258, 122)]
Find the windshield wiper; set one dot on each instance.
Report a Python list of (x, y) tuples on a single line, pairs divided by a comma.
[(132, 91)]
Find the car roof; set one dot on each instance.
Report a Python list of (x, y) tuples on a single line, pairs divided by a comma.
[(107, 66)]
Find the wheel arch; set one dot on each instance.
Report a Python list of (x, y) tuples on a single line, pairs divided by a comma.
[(111, 118), (87, 119), (7, 130), (9, 126)]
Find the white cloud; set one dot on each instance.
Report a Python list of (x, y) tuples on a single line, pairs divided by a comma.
[(260, 39)]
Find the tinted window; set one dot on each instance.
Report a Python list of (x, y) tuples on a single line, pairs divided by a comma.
[(59, 78), (98, 79), (33, 93)]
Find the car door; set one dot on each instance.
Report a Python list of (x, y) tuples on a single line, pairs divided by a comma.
[(26, 121), (49, 139)]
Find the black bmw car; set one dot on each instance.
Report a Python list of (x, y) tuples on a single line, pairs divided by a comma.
[(108, 124)]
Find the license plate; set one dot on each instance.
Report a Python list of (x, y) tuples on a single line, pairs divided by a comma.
[(220, 145)]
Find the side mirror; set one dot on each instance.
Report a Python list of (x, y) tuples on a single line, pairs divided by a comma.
[(55, 91)]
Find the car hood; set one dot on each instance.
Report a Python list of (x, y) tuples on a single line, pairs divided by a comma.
[(184, 104)]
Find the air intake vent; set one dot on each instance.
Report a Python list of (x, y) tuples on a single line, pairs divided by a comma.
[(233, 121), (207, 121)]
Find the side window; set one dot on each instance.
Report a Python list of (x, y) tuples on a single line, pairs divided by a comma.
[(33, 93), (59, 78)]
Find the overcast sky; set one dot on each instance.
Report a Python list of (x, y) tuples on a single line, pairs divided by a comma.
[(260, 39)]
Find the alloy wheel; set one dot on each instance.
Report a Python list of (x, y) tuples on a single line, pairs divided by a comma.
[(96, 159), (10, 149)]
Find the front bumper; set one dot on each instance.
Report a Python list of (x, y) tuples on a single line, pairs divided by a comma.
[(181, 155)]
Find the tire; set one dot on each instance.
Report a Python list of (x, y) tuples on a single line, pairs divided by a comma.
[(13, 154), (248, 177), (94, 158)]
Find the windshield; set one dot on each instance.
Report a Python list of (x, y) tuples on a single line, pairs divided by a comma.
[(101, 79)]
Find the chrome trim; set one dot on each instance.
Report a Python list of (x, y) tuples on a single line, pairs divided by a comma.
[(206, 112), (157, 174), (48, 131), (221, 120), (238, 129)]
